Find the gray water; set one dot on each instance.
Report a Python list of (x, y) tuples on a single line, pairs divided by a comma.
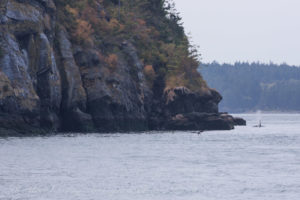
[(247, 163)]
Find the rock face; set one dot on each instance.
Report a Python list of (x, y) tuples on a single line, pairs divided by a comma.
[(49, 84), (186, 110)]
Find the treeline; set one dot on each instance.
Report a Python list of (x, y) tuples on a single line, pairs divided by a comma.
[(255, 86)]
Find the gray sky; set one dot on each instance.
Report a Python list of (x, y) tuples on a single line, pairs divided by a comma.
[(244, 30)]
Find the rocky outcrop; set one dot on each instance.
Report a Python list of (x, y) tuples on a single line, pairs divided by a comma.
[(239, 121), (200, 121), (49, 84), (186, 110)]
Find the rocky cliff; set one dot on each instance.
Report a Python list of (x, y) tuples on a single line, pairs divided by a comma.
[(54, 80)]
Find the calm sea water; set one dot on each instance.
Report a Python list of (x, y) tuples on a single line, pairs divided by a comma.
[(247, 163)]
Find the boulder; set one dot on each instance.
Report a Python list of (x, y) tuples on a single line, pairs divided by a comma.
[(199, 121), (239, 121)]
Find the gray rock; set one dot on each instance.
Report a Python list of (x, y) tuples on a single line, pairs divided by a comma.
[(239, 121), (74, 96), (48, 84), (182, 100), (117, 99), (14, 65), (200, 121), (3, 19), (22, 12)]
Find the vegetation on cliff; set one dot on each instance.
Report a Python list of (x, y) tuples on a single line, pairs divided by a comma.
[(153, 26)]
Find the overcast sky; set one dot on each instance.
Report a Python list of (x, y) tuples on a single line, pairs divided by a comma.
[(244, 30)]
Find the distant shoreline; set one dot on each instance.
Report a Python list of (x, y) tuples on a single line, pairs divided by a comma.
[(266, 112)]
